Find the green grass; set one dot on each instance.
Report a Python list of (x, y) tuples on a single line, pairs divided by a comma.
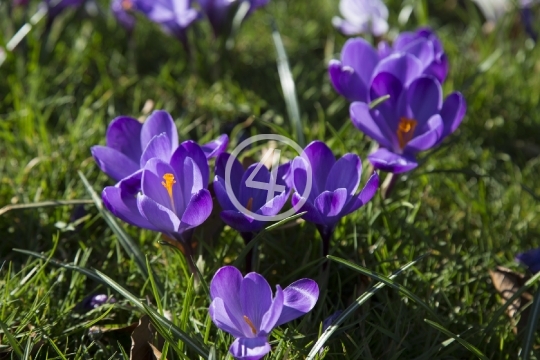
[(469, 207)]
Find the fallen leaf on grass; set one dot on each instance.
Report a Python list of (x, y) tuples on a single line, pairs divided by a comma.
[(507, 283), (141, 342)]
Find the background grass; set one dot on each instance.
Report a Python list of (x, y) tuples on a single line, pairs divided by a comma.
[(470, 204)]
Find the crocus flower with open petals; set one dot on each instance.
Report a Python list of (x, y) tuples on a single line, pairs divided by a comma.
[(333, 187), (413, 119), (262, 202), (131, 144), (362, 17), (245, 308), (221, 12), (531, 259), (173, 198), (360, 63)]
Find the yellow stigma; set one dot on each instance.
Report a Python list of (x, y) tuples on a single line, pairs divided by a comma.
[(167, 184), (246, 319), (249, 204), (405, 131)]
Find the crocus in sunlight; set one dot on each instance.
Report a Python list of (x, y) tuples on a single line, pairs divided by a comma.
[(531, 259), (361, 63), (333, 189), (220, 13), (245, 308), (131, 144), (362, 17), (413, 119)]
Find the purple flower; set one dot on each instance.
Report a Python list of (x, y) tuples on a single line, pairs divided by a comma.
[(531, 259), (131, 144), (361, 63), (263, 202), (174, 16), (361, 17), (173, 198), (245, 308), (55, 7), (121, 10), (425, 46), (94, 301), (333, 187), (221, 12), (20, 3), (413, 119)]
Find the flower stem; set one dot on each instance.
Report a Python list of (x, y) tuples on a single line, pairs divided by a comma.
[(183, 243), (388, 184), (248, 236), (326, 233)]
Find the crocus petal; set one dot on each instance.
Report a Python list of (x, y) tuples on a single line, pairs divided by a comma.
[(403, 66), (250, 348), (438, 68), (330, 203), (452, 112), (379, 26), (123, 205), (386, 160), (362, 57), (428, 139), (273, 207), (312, 214), (198, 209), (422, 49), (240, 221), (215, 147), (256, 188), (122, 135), (158, 215), (531, 259), (345, 174), (272, 315), (154, 185), (224, 320), (299, 298), (377, 129), (113, 163), (157, 123), (424, 97), (235, 177), (347, 27), (364, 196), (320, 158), (196, 153), (159, 147), (256, 299)]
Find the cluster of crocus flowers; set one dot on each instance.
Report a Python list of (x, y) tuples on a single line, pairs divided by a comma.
[(245, 308), (161, 184), (362, 17), (414, 117)]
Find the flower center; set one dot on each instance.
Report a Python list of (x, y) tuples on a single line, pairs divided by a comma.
[(253, 329), (249, 204), (127, 4), (168, 184), (405, 131)]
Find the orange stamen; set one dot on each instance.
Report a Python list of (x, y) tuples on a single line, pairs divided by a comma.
[(127, 4), (249, 204), (405, 131), (253, 330), (168, 184)]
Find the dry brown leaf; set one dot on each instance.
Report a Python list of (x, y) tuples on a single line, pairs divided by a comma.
[(507, 282), (141, 341)]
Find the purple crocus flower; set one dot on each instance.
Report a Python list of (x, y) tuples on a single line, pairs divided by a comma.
[(173, 198), (531, 259), (333, 187), (221, 12), (55, 7), (259, 201), (362, 17), (94, 301), (121, 10), (413, 119), (360, 63), (131, 144), (174, 16), (245, 308)]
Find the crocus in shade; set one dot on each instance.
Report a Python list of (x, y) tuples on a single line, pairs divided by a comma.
[(362, 17), (258, 201), (245, 308), (174, 16), (173, 198), (131, 144), (333, 187), (94, 301), (122, 10), (531, 259), (412, 120), (221, 12)]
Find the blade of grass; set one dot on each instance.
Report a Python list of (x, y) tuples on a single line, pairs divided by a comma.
[(353, 307), (530, 333), (465, 344), (11, 339), (41, 204), (288, 86)]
